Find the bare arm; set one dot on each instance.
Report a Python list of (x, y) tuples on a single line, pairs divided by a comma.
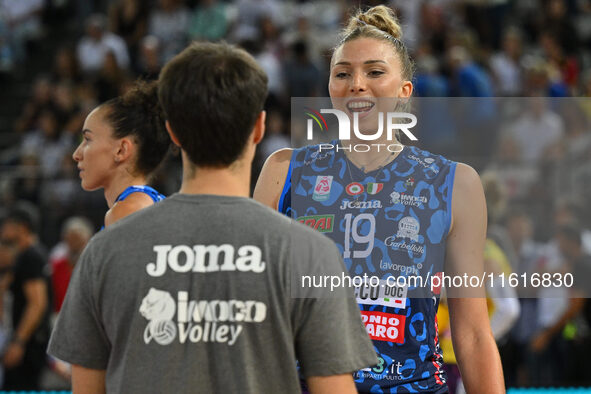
[(336, 384), (87, 381), (36, 294), (272, 179), (474, 345)]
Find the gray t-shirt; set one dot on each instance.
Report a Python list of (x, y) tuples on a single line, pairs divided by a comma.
[(193, 295)]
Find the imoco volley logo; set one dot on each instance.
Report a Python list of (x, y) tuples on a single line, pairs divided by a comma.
[(216, 321), (212, 320)]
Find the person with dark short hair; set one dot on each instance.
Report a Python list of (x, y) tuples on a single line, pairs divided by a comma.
[(24, 357), (197, 293)]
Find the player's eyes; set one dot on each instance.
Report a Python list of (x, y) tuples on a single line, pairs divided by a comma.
[(375, 73)]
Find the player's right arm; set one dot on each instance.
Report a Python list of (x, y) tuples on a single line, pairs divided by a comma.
[(336, 384), (272, 178), (88, 381)]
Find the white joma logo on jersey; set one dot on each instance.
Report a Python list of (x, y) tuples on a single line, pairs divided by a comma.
[(361, 204), (206, 258)]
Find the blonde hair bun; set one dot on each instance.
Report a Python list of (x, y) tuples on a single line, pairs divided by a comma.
[(381, 17)]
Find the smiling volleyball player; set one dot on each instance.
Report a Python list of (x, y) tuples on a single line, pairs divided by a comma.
[(406, 211)]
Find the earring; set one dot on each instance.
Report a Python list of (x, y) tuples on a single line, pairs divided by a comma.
[(117, 160)]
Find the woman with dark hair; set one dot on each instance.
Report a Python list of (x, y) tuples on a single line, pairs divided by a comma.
[(394, 213), (124, 142)]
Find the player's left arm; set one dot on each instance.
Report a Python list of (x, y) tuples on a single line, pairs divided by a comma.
[(35, 291), (133, 203), (474, 345), (87, 380)]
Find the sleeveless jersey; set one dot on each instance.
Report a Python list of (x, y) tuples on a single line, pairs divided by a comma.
[(150, 191), (390, 222)]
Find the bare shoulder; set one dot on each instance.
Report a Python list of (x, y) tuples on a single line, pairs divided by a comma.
[(466, 178), (133, 203), (468, 194), (272, 178)]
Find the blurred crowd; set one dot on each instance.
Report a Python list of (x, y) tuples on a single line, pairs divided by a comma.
[(539, 160)]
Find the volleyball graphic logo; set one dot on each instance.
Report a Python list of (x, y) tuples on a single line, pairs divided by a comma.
[(159, 307), (395, 198)]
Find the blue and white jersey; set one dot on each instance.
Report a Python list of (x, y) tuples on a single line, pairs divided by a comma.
[(390, 222), (150, 191)]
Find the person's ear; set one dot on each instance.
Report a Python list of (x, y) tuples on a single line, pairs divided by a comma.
[(125, 150), (172, 135), (406, 89), (259, 128)]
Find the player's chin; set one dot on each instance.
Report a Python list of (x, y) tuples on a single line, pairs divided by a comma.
[(88, 186)]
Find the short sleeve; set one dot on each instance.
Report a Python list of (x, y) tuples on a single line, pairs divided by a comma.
[(330, 338), (79, 336), (34, 266)]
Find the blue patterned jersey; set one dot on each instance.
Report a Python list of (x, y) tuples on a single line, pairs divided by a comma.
[(391, 222)]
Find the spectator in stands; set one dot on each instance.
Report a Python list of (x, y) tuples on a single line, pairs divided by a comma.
[(543, 79), (435, 30), (516, 363), (66, 68), (438, 127), (59, 197), (468, 78), (556, 21), (317, 40), (76, 232), (23, 20), (149, 62), (586, 83), (301, 75), (28, 182), (208, 21), (536, 130), (169, 22), (25, 356), (270, 35), (129, 20), (570, 210), (566, 65), (548, 343), (87, 95), (94, 46), (250, 13), (110, 79), (40, 101), (578, 315), (429, 81), (272, 67), (506, 65), (7, 258), (66, 107), (275, 136), (47, 143)]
